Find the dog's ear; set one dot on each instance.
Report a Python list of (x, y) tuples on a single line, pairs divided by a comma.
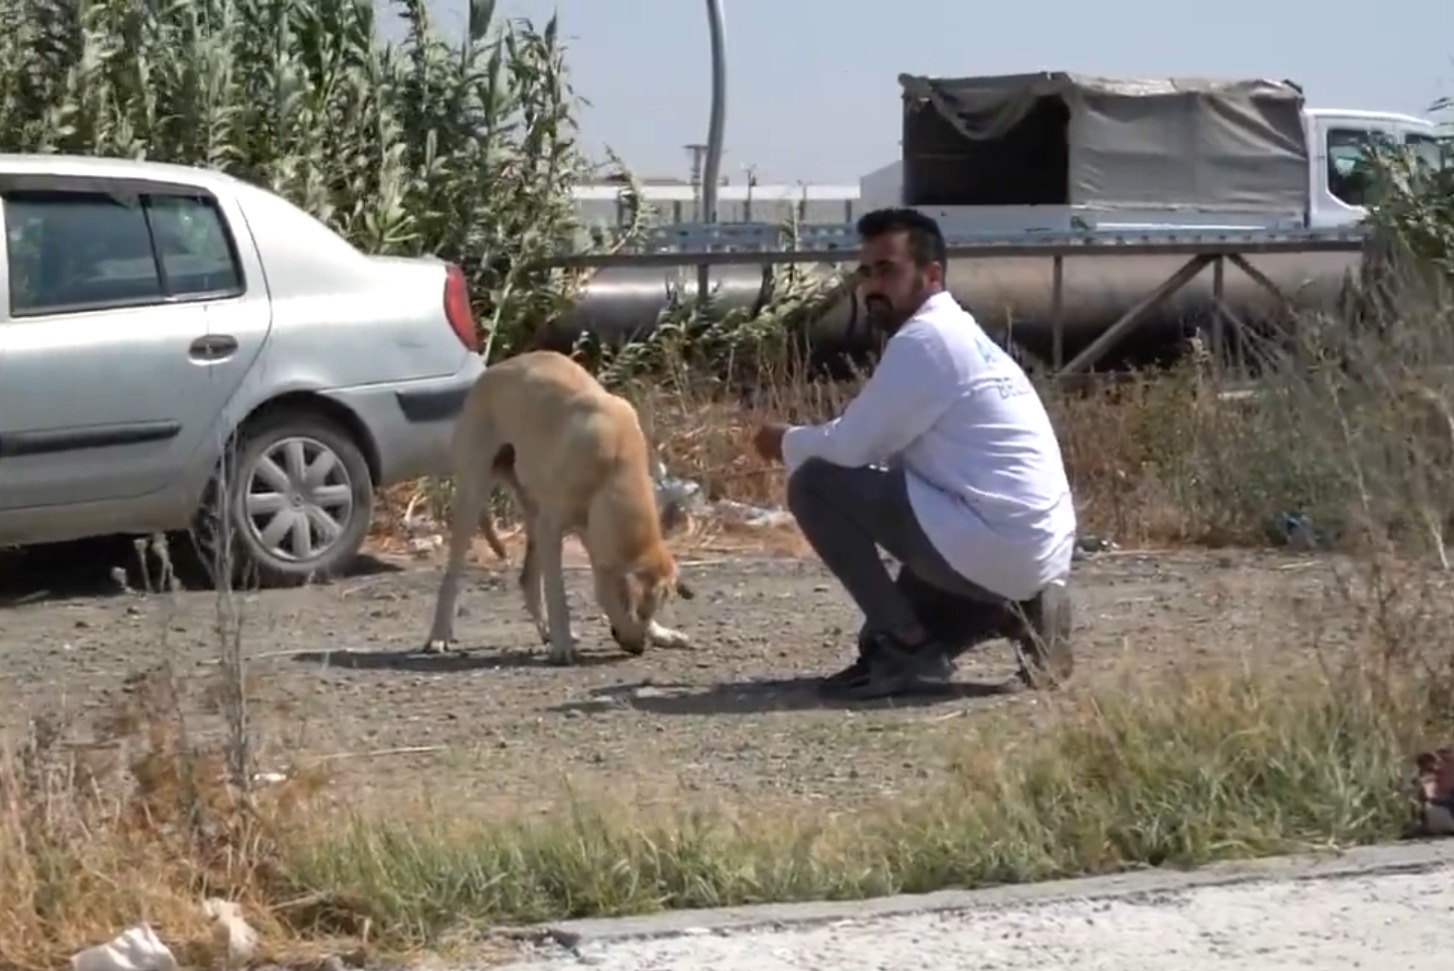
[(684, 591)]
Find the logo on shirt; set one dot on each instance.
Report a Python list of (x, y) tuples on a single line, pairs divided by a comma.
[(1007, 386), (989, 351)]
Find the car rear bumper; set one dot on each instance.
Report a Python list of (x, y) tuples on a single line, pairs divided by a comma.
[(412, 422)]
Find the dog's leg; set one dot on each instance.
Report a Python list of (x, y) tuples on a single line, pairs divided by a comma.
[(468, 502), (551, 558), (530, 582), (530, 578)]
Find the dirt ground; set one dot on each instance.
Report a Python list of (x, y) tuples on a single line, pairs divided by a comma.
[(334, 675)]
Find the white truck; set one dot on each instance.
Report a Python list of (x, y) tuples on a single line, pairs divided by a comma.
[(1060, 152)]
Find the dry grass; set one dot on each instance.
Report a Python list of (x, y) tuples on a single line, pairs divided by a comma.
[(1210, 763)]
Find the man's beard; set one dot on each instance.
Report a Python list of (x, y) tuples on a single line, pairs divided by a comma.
[(883, 315)]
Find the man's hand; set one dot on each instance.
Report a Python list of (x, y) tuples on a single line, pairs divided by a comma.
[(768, 441)]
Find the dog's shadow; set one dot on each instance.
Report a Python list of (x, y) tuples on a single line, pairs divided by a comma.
[(420, 662), (764, 696)]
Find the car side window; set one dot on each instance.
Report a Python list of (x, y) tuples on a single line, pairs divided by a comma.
[(76, 251), (193, 246)]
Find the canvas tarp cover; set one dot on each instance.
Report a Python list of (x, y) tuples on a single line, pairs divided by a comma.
[(1231, 145)]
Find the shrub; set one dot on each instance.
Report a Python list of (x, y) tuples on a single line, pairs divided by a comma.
[(466, 152)]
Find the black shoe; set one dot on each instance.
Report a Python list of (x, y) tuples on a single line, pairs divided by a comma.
[(854, 671), (1042, 638), (867, 647), (886, 667), (867, 644)]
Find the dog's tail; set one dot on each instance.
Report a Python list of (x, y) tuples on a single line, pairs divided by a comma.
[(487, 526)]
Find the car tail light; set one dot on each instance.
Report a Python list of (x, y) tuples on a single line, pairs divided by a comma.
[(457, 308)]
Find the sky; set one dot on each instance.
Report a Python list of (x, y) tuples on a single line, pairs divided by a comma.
[(812, 85)]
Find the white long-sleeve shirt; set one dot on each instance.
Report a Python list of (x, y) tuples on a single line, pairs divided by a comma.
[(984, 469)]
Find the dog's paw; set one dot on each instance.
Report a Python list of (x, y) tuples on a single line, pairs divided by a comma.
[(562, 657), (440, 645), (563, 651), (667, 636)]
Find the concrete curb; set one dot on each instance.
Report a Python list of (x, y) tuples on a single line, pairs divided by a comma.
[(1413, 857)]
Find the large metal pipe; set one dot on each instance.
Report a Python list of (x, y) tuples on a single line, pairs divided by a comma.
[(716, 123), (1011, 296), (1014, 297)]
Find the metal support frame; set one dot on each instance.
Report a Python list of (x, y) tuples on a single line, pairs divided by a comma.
[(1057, 313), (1127, 322), (1201, 250), (1142, 309)]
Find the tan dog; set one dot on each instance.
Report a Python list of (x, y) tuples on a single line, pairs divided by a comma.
[(576, 459)]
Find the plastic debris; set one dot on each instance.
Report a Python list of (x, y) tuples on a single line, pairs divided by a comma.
[(747, 515), (1298, 531), (136, 949), (687, 496), (233, 939), (671, 490), (422, 546), (1088, 546)]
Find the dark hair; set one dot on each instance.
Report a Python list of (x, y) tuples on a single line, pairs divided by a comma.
[(926, 242)]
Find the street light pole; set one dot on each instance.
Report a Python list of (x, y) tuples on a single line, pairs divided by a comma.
[(715, 124)]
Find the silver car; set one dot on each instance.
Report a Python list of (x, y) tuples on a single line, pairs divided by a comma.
[(159, 317)]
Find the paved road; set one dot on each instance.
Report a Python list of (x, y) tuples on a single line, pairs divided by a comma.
[(1359, 918)]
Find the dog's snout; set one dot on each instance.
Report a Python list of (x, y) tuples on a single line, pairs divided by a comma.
[(627, 645)]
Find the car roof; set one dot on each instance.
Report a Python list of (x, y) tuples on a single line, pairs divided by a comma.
[(89, 166)]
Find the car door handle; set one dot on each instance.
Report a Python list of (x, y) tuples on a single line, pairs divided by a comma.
[(213, 347)]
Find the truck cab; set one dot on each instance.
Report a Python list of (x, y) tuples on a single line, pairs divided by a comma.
[(1060, 153), (1338, 143)]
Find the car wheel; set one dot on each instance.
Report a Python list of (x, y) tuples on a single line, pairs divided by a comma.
[(301, 500)]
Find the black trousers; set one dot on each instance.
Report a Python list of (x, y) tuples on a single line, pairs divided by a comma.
[(848, 514)]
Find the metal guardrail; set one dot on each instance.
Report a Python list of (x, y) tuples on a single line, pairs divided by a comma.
[(702, 244)]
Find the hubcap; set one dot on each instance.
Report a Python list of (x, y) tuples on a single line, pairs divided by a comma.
[(298, 500)]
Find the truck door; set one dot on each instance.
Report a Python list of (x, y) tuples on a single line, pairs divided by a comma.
[(1341, 177), (129, 316)]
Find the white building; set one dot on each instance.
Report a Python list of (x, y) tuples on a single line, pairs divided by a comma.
[(600, 203), (882, 188)]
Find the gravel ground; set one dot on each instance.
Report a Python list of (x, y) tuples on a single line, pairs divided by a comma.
[(334, 674), (1387, 922)]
